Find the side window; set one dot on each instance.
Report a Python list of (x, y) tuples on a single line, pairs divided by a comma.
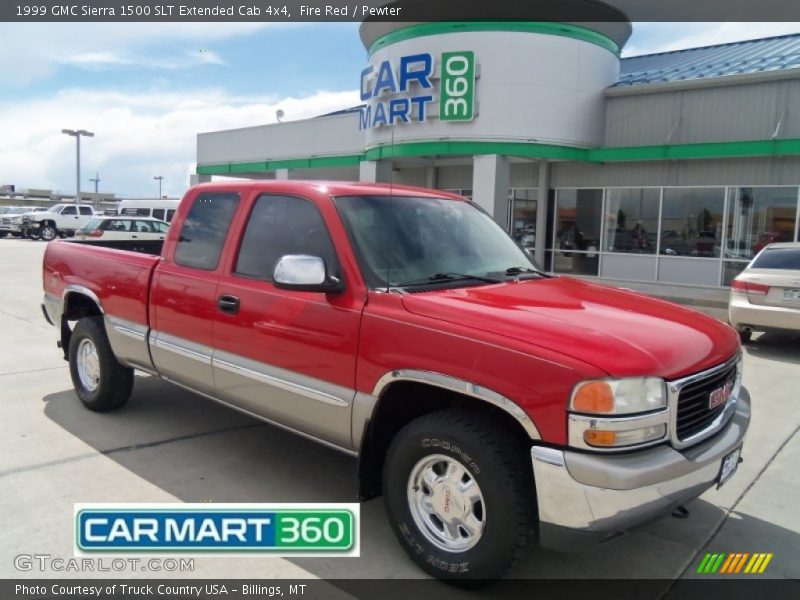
[(204, 230), (118, 225), (170, 214), (281, 225), (158, 213), (85, 210), (161, 227), (69, 210), (143, 226)]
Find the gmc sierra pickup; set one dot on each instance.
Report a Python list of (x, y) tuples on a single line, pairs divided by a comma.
[(490, 403)]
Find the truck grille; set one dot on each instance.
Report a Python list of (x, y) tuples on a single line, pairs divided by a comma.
[(6, 221), (694, 414)]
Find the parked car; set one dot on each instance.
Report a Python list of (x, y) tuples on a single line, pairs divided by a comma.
[(11, 220), (122, 228), (766, 295), (490, 403), (60, 220), (771, 237)]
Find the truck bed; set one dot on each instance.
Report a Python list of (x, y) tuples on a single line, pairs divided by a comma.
[(140, 246), (119, 278)]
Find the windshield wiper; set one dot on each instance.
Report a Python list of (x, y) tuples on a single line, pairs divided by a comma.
[(438, 277), (521, 270)]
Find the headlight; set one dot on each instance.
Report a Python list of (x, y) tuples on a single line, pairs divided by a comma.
[(615, 414), (619, 396)]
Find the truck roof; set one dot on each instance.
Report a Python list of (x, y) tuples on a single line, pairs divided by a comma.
[(332, 188)]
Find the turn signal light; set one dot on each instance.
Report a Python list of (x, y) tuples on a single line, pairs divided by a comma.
[(594, 397), (748, 287), (593, 437)]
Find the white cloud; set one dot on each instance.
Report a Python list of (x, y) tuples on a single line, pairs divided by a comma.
[(33, 51), (136, 136), (664, 37)]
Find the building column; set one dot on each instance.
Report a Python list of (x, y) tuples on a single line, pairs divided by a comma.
[(542, 199), (375, 171), (490, 186), (282, 174), (430, 177)]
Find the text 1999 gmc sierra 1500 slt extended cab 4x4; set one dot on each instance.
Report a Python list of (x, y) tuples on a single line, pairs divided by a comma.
[(490, 403)]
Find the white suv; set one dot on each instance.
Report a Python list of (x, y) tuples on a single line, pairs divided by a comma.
[(61, 219)]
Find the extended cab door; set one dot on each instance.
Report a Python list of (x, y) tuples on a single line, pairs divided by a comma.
[(289, 356), (183, 292)]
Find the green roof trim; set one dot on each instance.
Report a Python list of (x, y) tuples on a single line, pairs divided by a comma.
[(540, 27), (737, 149)]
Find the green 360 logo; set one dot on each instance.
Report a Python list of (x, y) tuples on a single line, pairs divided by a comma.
[(457, 94)]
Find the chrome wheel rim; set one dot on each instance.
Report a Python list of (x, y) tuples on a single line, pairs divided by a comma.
[(446, 503), (48, 233), (88, 363)]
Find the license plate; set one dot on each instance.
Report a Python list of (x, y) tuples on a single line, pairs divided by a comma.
[(791, 294), (729, 464)]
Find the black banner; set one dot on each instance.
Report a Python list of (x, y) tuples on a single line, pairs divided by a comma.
[(571, 11), (732, 588)]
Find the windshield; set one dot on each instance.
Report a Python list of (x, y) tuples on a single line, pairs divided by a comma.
[(54, 208), (401, 240), (91, 225)]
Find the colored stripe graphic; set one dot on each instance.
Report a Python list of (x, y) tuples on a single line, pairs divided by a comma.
[(734, 563)]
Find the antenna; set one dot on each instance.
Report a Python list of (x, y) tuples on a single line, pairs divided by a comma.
[(391, 217)]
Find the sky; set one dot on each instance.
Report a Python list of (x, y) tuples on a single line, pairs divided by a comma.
[(147, 89)]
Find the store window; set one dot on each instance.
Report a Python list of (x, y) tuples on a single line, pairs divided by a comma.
[(576, 240), (758, 216), (522, 206), (631, 220), (691, 222)]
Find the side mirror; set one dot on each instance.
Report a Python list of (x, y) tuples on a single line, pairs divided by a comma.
[(305, 273)]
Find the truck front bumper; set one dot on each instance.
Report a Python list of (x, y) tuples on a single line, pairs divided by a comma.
[(585, 498)]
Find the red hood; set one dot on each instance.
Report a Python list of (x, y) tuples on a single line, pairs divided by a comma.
[(620, 332)]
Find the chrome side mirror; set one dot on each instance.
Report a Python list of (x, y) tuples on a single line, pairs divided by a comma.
[(305, 273)]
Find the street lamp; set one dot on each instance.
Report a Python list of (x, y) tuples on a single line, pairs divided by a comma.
[(160, 178), (96, 181), (77, 135)]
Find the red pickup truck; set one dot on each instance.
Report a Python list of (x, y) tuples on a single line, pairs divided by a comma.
[(491, 403)]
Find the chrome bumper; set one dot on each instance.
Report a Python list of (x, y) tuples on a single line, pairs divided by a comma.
[(589, 498)]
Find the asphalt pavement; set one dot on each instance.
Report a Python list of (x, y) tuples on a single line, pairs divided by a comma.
[(168, 445)]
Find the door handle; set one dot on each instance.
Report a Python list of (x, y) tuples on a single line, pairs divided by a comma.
[(228, 304)]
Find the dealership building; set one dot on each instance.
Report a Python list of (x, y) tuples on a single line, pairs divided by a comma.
[(668, 168)]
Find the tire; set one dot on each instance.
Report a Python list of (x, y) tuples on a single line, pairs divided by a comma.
[(91, 359), (744, 336), (502, 512), (48, 232)]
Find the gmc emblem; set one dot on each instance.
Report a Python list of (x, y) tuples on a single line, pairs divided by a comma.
[(720, 395)]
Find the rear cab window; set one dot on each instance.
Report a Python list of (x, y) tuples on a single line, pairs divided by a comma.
[(203, 234)]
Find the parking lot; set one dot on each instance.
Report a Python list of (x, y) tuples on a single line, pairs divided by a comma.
[(167, 445)]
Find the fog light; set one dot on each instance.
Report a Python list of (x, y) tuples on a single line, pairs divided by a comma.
[(619, 439)]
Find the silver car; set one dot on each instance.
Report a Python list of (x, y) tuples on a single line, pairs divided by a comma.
[(766, 295)]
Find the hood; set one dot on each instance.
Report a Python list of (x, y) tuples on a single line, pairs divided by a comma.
[(620, 332)]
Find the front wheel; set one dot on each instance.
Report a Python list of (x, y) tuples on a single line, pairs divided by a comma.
[(460, 496), (745, 335), (100, 381), (48, 232)]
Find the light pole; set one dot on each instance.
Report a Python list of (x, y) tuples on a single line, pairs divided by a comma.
[(160, 178), (77, 135), (96, 180)]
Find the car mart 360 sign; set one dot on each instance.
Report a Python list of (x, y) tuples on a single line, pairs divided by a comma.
[(403, 92)]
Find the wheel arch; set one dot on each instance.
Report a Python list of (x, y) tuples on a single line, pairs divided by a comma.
[(402, 396), (77, 302)]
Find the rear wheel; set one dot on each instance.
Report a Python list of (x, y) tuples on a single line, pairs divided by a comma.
[(100, 381), (745, 335), (459, 495)]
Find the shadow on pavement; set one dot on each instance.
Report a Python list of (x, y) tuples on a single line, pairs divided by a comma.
[(780, 347)]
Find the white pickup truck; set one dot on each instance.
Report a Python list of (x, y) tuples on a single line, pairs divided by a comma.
[(58, 220)]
